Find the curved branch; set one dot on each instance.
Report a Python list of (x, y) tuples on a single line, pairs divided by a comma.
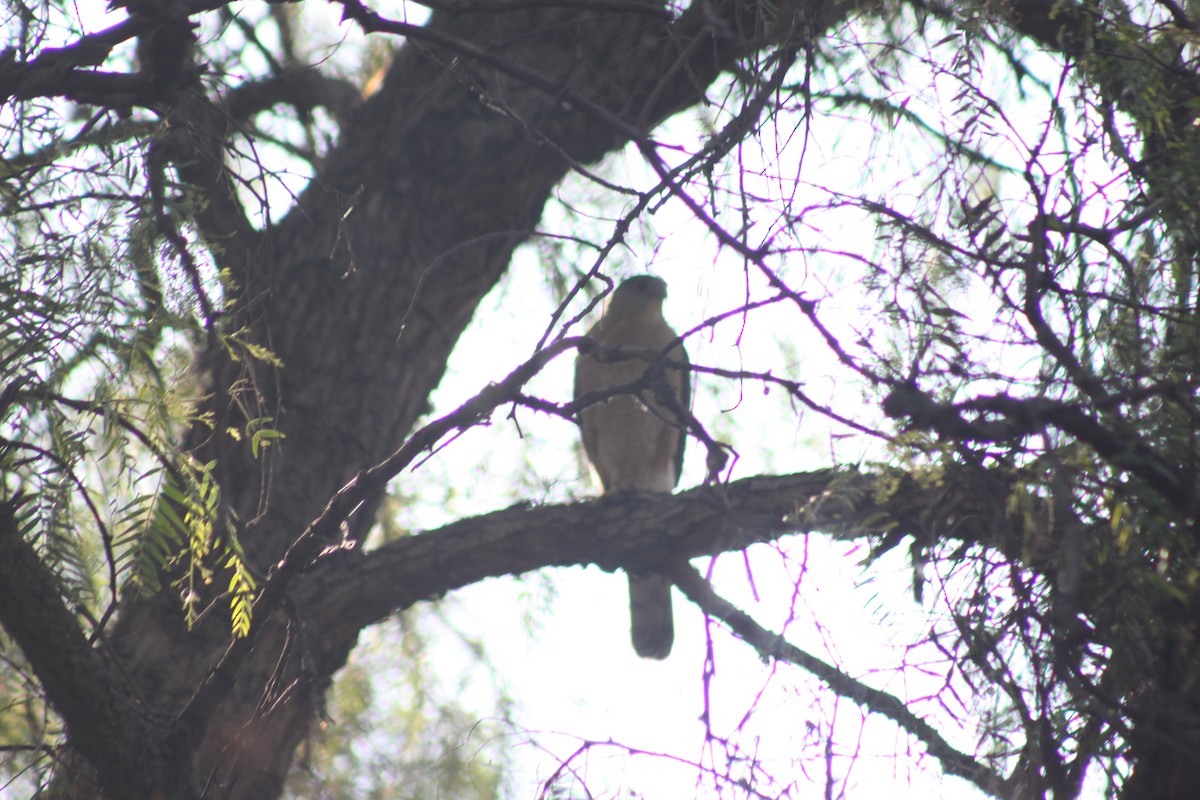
[(771, 645), (304, 89)]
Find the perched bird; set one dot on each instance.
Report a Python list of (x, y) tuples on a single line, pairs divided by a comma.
[(633, 440)]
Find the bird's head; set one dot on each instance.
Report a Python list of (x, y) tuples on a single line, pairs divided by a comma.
[(637, 294)]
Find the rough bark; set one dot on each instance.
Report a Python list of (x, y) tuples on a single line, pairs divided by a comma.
[(94, 699), (362, 292)]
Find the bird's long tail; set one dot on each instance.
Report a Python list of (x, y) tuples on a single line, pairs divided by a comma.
[(650, 614)]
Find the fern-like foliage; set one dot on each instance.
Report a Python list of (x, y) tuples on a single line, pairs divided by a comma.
[(98, 317)]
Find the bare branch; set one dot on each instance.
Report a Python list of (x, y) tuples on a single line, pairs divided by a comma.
[(771, 645)]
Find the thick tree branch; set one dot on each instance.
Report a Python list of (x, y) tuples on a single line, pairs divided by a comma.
[(502, 6), (648, 531), (194, 142), (371, 22), (305, 89), (64, 71), (52, 73)]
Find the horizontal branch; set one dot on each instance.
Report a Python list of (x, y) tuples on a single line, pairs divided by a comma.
[(110, 89), (645, 531), (305, 89), (66, 71), (502, 6)]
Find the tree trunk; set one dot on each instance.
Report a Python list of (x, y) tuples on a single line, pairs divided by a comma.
[(362, 291)]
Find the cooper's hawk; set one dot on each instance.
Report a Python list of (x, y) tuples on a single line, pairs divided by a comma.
[(634, 441)]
